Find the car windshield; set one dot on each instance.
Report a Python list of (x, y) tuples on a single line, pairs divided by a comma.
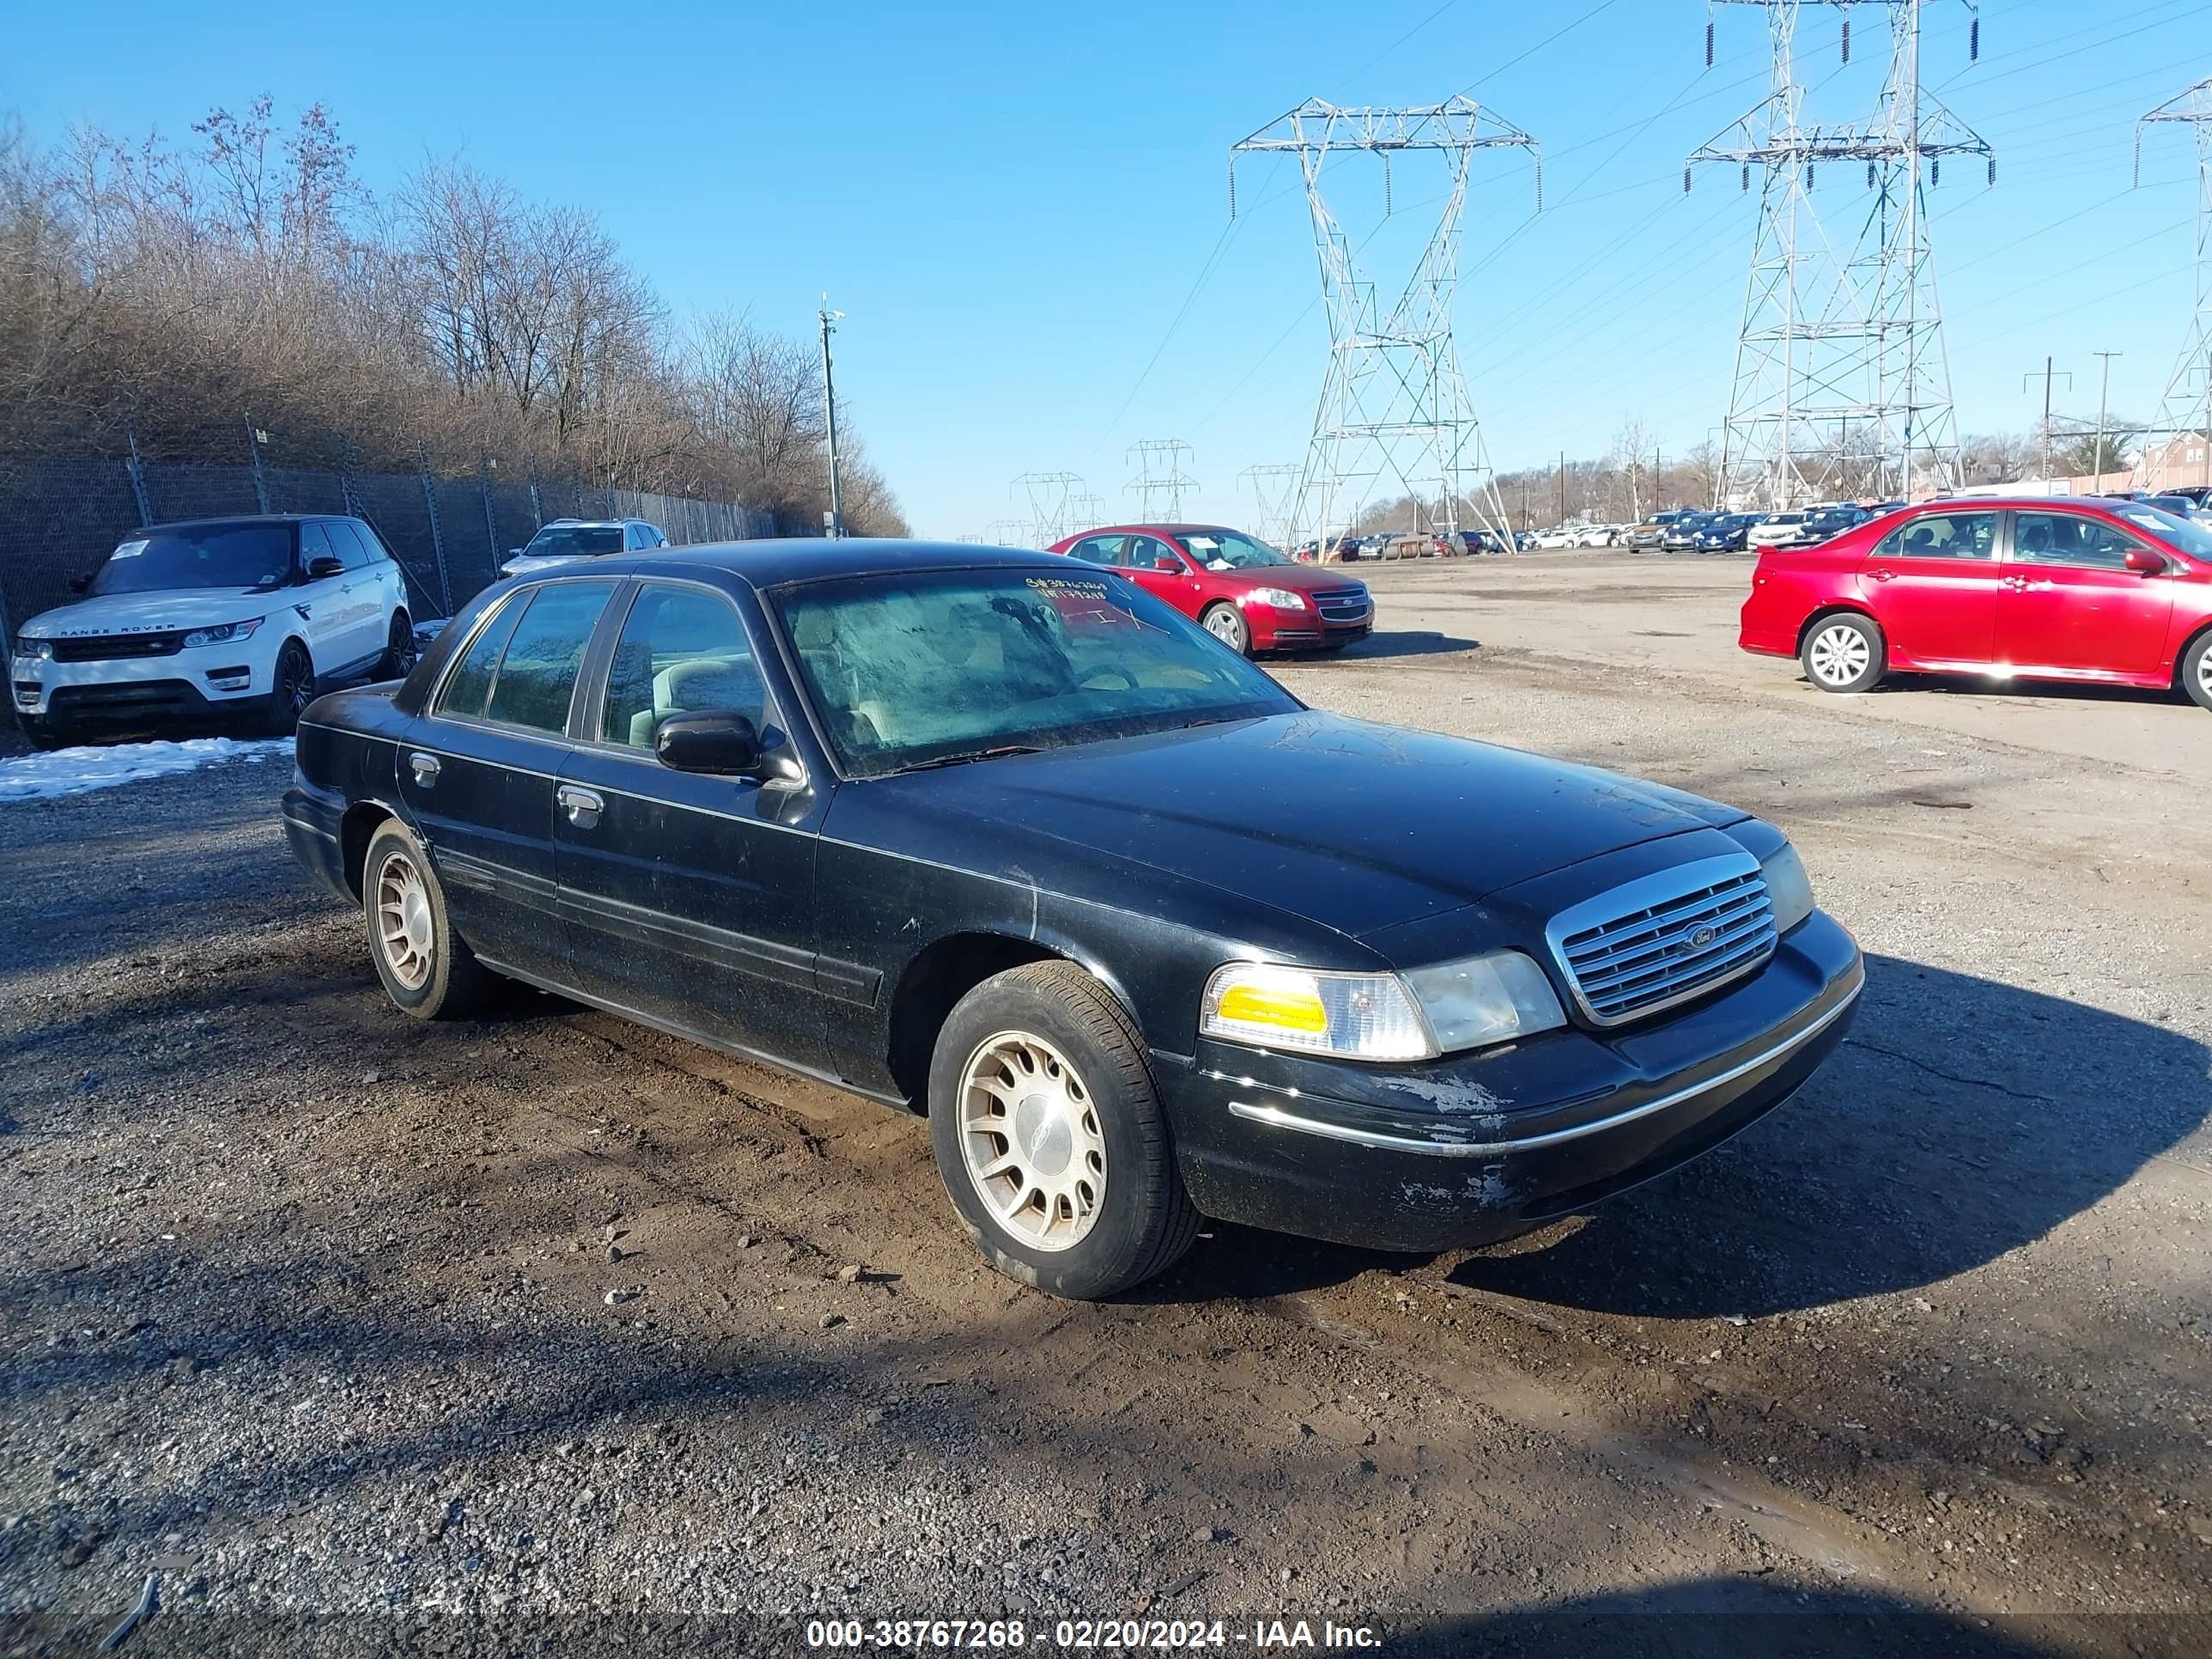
[(1225, 549), (2186, 534), (575, 541), (916, 669), (248, 555)]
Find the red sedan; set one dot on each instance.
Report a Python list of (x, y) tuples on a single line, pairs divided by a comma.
[(1242, 592), (2116, 592)]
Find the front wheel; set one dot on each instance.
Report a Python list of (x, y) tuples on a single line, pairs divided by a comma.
[(292, 688), (1226, 624), (1844, 653), (427, 968), (1049, 1134), (2196, 671)]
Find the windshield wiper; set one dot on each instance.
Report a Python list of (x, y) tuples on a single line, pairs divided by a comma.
[(970, 755)]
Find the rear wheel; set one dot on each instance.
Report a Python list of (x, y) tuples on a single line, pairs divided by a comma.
[(1844, 653), (427, 968), (400, 652), (1049, 1134), (1226, 624), (2196, 669), (292, 688)]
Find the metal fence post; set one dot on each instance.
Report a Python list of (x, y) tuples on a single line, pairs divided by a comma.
[(437, 537), (137, 477), (491, 522), (346, 492), (260, 483), (537, 508)]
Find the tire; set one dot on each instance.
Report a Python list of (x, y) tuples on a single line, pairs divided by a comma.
[(45, 734), (2196, 669), (1085, 1198), (292, 690), (1844, 652), (427, 968), (400, 652), (1226, 624)]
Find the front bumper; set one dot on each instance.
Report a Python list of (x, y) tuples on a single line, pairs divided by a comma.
[(1475, 1148), (185, 685), (1303, 630)]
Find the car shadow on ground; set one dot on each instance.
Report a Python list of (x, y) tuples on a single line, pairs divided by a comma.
[(1960, 687), (1961, 1119), (1717, 1618), (1410, 642)]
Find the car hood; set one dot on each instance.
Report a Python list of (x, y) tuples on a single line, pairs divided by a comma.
[(1350, 824), (1299, 578), (522, 563), (154, 612)]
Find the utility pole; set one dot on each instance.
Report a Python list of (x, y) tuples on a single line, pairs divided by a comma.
[(2049, 374), (2104, 390), (1563, 486), (829, 318)]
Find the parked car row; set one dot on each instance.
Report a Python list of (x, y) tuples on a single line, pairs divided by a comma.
[(241, 621), (1684, 530)]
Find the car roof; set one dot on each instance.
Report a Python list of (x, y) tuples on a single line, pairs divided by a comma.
[(773, 563), (234, 520), (590, 524), (1158, 527)]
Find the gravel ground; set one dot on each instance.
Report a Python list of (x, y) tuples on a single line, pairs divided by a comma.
[(549, 1334)]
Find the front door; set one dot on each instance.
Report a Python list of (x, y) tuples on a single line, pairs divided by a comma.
[(332, 611), (687, 897), (1933, 583), (1164, 574), (479, 770), (2072, 604)]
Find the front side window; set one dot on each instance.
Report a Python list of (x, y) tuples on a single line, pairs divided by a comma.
[(1225, 549), (346, 542), (255, 557), (537, 656), (2069, 539), (315, 544), (916, 669), (1941, 536), (1146, 552), (682, 652)]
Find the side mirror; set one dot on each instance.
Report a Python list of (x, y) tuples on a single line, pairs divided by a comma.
[(2144, 562), (722, 743), (513, 552), (1168, 562), (78, 584), (318, 568)]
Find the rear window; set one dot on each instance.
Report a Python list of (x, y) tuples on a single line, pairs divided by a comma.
[(576, 541)]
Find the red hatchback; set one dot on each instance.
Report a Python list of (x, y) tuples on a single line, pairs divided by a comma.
[(2092, 589), (1242, 592)]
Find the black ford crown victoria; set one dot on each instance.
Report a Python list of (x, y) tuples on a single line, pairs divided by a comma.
[(998, 837)]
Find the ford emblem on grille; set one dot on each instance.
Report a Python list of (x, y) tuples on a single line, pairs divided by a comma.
[(1698, 937)]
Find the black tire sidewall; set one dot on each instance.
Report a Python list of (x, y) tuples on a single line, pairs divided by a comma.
[(279, 715), (1141, 1181), (1877, 658), (1242, 646), (395, 666), (424, 1001)]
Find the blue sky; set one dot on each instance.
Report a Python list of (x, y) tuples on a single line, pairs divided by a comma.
[(1023, 207)]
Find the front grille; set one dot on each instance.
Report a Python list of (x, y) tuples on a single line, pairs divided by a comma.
[(1342, 604), (108, 648), (123, 699), (1665, 938)]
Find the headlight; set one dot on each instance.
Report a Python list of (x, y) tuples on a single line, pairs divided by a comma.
[(227, 633), (1788, 888), (37, 650), (1414, 1016), (1280, 598)]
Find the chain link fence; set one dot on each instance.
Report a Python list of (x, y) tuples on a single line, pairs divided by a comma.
[(59, 519)]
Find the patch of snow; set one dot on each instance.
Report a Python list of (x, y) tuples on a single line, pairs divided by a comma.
[(85, 767)]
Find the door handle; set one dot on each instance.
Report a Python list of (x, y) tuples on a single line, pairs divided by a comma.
[(1883, 576), (426, 767), (582, 806)]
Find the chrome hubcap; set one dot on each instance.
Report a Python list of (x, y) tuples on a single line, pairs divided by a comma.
[(1839, 655), (1223, 626), (295, 683), (403, 647), (404, 931), (2204, 673), (1030, 1139)]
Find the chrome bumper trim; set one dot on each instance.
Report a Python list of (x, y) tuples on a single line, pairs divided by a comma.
[(1275, 1117)]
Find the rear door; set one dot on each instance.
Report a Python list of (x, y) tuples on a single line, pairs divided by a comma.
[(688, 897), (479, 768), (2071, 604), (1933, 583)]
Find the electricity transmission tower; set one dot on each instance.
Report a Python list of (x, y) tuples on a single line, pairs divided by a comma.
[(1395, 412), (2187, 405), (1010, 533), (1050, 497), (1842, 382), (1160, 479), (1086, 510), (1274, 496)]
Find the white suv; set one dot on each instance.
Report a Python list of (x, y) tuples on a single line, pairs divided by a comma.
[(581, 538), (223, 616)]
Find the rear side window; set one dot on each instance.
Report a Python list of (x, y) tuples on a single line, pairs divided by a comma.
[(524, 672), (1941, 536)]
